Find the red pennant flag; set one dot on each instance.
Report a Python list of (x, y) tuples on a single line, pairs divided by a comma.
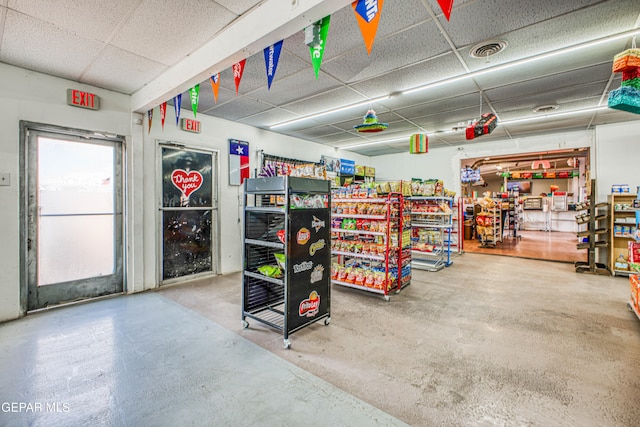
[(150, 115), (163, 113), (446, 6), (238, 69), (215, 85), (368, 16)]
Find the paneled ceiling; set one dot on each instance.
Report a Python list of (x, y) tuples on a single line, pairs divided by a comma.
[(130, 46)]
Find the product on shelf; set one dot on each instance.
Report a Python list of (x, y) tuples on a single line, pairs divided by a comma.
[(367, 239)]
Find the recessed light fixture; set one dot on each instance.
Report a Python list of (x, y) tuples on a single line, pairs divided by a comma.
[(487, 49), (545, 108)]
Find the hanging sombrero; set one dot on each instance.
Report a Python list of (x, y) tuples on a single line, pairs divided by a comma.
[(371, 124)]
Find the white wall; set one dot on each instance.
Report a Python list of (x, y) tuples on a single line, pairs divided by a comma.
[(35, 97), (215, 135), (618, 153), (444, 163)]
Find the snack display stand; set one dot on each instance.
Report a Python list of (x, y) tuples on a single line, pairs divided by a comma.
[(489, 225), (286, 221), (431, 227), (371, 243), (595, 236)]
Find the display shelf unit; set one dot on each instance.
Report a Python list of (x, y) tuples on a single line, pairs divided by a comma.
[(431, 229), (634, 293), (371, 244), (622, 228), (596, 220), (457, 226), (489, 226), (513, 217), (289, 216)]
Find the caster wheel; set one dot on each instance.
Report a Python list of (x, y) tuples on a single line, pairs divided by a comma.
[(386, 298), (287, 344), (327, 320), (245, 324), (397, 291)]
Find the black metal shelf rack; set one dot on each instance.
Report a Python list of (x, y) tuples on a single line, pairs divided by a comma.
[(290, 216)]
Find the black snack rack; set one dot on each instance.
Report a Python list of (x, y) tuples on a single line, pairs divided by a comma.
[(290, 216)]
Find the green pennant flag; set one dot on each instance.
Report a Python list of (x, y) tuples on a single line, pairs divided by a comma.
[(194, 94), (317, 51)]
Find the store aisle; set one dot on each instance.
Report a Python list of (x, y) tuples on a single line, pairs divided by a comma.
[(143, 360), (488, 341), (550, 246)]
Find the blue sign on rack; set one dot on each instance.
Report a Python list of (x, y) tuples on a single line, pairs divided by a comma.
[(347, 167)]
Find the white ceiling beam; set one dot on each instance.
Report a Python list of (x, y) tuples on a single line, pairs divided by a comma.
[(269, 23)]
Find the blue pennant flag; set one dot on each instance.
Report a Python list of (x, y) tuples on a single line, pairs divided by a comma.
[(177, 102), (271, 58)]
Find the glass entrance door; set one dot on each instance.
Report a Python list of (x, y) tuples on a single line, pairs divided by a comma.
[(188, 212), (75, 235)]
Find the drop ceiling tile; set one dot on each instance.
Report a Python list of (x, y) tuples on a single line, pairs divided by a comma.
[(525, 88), (64, 54), (319, 131), (121, 71), (294, 87), (561, 96), (238, 109), (86, 18), (329, 100), (482, 20), (567, 106), (239, 6), (151, 30), (389, 54), (410, 77), (441, 106), (549, 126), (265, 118)]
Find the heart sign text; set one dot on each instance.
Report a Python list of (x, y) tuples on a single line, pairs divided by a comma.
[(187, 182)]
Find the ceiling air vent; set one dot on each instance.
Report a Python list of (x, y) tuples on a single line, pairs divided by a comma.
[(488, 48)]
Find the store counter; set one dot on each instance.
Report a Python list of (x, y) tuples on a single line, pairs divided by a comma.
[(540, 220)]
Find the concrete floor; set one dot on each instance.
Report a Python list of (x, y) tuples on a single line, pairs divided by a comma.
[(488, 341), (143, 360)]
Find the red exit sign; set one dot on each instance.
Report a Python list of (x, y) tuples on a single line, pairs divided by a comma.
[(191, 125), (81, 99)]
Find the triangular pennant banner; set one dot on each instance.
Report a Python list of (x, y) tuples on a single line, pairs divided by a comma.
[(215, 85), (368, 16), (163, 113), (271, 58), (150, 115), (317, 51), (238, 69), (177, 102), (446, 6), (194, 94)]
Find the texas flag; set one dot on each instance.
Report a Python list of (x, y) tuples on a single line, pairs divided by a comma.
[(238, 161)]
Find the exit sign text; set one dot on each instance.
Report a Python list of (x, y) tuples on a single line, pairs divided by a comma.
[(191, 125), (81, 99)]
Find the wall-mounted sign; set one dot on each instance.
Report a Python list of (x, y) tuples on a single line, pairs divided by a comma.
[(81, 99), (190, 125)]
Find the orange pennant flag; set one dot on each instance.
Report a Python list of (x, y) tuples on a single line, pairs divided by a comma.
[(215, 85), (368, 16)]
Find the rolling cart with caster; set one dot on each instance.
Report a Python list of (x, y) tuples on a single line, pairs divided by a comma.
[(286, 221)]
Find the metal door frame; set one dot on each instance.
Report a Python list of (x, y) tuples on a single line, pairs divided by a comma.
[(215, 208), (23, 188)]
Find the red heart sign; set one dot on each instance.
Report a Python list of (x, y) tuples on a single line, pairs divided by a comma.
[(187, 182)]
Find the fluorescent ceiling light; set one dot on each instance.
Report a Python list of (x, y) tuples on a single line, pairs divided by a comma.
[(553, 116), (335, 110), (473, 74), (386, 141), (520, 62)]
